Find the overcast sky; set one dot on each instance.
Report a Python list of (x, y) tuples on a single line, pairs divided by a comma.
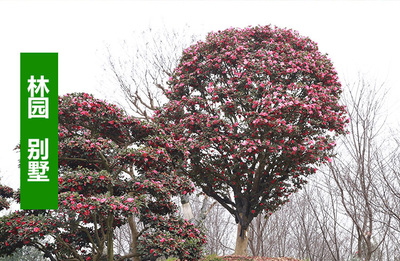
[(358, 36)]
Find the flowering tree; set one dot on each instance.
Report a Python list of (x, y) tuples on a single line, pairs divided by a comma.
[(108, 177), (253, 112)]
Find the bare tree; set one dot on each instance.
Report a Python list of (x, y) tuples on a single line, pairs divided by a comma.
[(142, 66), (324, 205), (270, 235), (291, 231), (122, 236), (256, 234), (356, 168), (388, 191), (218, 226)]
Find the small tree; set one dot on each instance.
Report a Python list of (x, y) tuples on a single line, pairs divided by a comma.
[(253, 111), (107, 176)]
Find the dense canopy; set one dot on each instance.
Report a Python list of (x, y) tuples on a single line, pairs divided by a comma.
[(253, 111)]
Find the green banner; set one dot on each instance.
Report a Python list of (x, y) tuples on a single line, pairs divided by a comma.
[(39, 130)]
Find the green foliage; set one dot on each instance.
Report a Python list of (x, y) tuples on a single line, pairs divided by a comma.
[(212, 257), (172, 259)]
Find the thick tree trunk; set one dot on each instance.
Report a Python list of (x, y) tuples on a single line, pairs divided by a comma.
[(241, 241)]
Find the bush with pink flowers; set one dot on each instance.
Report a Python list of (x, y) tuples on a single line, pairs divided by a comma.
[(108, 176)]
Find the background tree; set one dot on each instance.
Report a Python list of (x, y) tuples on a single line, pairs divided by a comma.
[(107, 176), (389, 196), (355, 172), (253, 111), (271, 236), (140, 67), (217, 226)]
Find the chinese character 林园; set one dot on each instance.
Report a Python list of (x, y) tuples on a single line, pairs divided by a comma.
[(38, 107)]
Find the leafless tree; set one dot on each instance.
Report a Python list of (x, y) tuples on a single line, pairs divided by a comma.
[(356, 169), (291, 231), (388, 191), (270, 235), (122, 237), (218, 226), (141, 66), (324, 205)]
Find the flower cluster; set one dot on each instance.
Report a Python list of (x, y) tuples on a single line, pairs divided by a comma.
[(84, 182), (83, 115), (254, 110), (101, 205), (155, 164), (18, 229)]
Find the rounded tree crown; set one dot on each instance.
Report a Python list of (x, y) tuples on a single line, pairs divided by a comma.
[(254, 110)]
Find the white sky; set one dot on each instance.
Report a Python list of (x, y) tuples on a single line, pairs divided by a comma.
[(359, 36)]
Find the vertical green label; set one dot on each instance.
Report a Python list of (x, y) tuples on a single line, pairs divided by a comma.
[(39, 130)]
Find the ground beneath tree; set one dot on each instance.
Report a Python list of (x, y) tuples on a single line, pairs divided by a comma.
[(255, 258)]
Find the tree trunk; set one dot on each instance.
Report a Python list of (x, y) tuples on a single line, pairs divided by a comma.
[(186, 208), (110, 242), (135, 235), (241, 241)]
